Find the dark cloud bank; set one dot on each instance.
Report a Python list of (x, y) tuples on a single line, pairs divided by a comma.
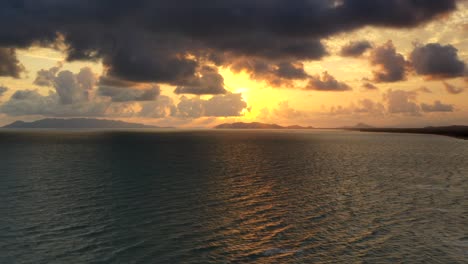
[(150, 41), (355, 48), (179, 42)]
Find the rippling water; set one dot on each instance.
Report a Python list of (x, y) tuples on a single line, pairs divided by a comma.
[(232, 197)]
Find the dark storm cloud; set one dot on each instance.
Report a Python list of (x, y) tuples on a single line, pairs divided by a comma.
[(291, 71), (327, 83), (437, 61), (437, 107), (115, 82), (209, 81), (390, 65), (355, 49), (9, 63), (126, 94), (151, 41), (275, 73)]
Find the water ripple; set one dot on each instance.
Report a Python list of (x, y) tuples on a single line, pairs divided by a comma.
[(232, 197)]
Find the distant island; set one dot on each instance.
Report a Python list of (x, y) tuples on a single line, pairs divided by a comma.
[(358, 126), (75, 123), (257, 125), (452, 131)]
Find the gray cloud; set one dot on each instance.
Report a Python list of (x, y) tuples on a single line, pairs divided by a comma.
[(288, 70), (225, 105), (75, 96), (46, 77), (163, 106), (30, 102), (190, 107), (437, 62), (126, 94), (390, 65), (209, 81), (218, 106), (401, 102), (9, 63), (355, 48), (69, 89), (72, 96), (452, 89), (363, 107), (437, 107), (281, 73), (86, 78), (369, 107), (327, 83)]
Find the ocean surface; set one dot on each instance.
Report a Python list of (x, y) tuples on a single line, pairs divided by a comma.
[(232, 197)]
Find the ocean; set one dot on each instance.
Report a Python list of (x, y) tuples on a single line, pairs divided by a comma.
[(209, 196)]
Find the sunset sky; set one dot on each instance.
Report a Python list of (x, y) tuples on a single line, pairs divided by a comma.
[(323, 63)]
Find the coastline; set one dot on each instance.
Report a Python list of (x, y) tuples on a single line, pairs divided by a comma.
[(460, 132)]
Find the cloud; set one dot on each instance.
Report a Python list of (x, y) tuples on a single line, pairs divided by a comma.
[(437, 62), (225, 105), (144, 58), (276, 73), (327, 83), (285, 111), (46, 77), (390, 65), (76, 95), (28, 102), (115, 82), (291, 71), (9, 63), (31, 102), (218, 106), (401, 102), (423, 89), (437, 107), (395, 103), (167, 41), (370, 86), (3, 89), (190, 107), (69, 89), (86, 78), (208, 81), (126, 94), (162, 107), (452, 89), (369, 107), (363, 107), (355, 48), (72, 96)]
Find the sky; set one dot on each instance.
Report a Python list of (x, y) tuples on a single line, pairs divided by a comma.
[(182, 63)]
